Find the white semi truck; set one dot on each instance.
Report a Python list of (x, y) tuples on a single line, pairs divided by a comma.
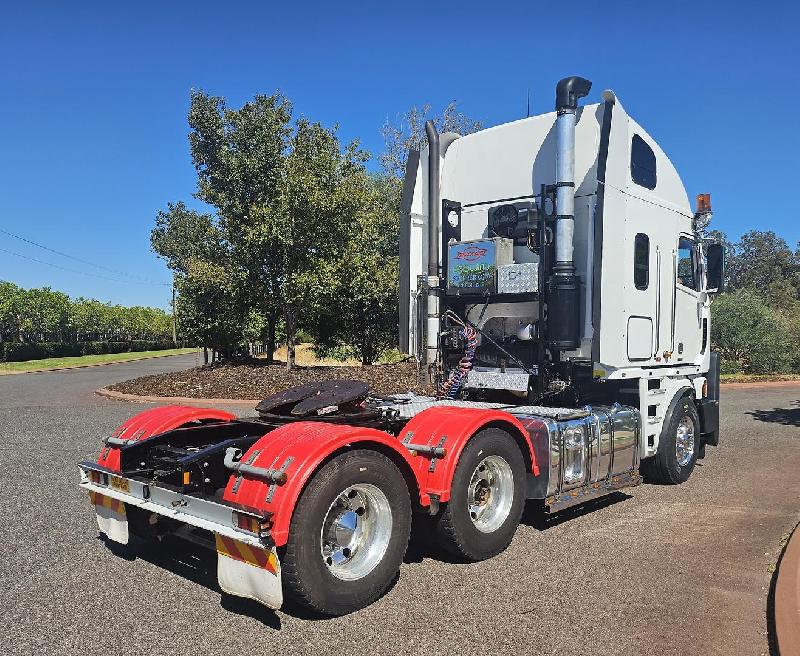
[(555, 287)]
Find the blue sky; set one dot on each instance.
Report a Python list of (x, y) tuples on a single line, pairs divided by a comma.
[(94, 101)]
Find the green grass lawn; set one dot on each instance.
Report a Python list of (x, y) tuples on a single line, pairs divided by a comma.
[(57, 363)]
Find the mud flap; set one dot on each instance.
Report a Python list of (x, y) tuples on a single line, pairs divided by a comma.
[(111, 517), (247, 571)]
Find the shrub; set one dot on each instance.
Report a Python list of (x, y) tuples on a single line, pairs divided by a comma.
[(729, 367), (750, 334), (16, 352)]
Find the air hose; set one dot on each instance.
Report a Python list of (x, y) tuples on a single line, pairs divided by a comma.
[(449, 389)]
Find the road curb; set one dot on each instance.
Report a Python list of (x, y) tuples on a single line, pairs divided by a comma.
[(178, 400), (87, 366), (787, 598)]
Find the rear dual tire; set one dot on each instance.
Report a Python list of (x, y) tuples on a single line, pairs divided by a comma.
[(350, 529), (487, 497), (348, 535)]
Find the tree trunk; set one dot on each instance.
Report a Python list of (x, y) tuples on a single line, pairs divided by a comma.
[(205, 355), (272, 323), (290, 318)]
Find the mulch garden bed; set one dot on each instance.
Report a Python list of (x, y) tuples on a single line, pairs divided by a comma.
[(256, 380)]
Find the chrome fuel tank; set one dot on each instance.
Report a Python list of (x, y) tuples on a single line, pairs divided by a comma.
[(583, 452)]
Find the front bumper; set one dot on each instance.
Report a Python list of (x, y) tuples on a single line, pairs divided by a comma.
[(247, 564)]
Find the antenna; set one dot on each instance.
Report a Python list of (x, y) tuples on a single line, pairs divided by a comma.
[(528, 111)]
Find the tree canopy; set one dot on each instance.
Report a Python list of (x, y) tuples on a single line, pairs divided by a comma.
[(408, 133), (302, 236), (756, 323), (44, 315)]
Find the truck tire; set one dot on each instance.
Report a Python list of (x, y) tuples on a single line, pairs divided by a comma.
[(487, 497), (348, 534), (678, 446)]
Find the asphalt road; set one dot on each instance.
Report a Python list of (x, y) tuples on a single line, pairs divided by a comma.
[(659, 570)]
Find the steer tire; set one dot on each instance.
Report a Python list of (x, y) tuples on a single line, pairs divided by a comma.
[(456, 530), (308, 579), (664, 467)]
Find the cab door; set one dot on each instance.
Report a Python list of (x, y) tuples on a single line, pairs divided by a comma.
[(687, 326)]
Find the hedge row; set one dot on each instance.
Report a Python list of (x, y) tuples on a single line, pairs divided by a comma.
[(15, 352)]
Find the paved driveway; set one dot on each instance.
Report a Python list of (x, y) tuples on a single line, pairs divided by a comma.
[(659, 570)]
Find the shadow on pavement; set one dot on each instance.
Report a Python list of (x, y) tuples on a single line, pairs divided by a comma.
[(424, 544), (785, 416), (196, 564), (537, 517)]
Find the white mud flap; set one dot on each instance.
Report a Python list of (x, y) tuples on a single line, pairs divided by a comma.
[(111, 517), (247, 571)]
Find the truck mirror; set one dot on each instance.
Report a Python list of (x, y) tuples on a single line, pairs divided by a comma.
[(715, 264)]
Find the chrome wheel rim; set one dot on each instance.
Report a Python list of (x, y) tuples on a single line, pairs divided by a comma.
[(356, 531), (490, 494), (684, 441)]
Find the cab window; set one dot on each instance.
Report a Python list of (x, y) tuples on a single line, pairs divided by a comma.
[(643, 163), (687, 264), (641, 261)]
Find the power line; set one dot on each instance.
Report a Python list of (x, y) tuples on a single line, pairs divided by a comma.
[(83, 273), (125, 274)]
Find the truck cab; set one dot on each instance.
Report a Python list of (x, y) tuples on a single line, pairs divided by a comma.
[(583, 190)]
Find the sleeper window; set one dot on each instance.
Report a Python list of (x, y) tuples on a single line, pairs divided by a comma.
[(687, 265), (643, 163), (641, 261)]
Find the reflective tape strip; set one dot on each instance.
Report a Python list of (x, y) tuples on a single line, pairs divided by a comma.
[(262, 558), (102, 500)]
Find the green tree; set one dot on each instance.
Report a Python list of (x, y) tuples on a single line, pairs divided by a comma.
[(240, 158), (748, 332), (313, 220), (358, 310), (210, 306), (41, 314), (8, 316), (764, 262)]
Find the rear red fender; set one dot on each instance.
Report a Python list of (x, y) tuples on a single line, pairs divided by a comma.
[(154, 421), (299, 449), (457, 426)]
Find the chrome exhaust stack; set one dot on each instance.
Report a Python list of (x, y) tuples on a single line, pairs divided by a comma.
[(563, 285)]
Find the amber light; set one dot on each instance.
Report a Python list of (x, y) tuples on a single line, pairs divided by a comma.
[(253, 524), (703, 203), (187, 478)]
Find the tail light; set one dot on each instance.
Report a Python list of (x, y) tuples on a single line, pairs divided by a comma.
[(98, 478), (260, 526)]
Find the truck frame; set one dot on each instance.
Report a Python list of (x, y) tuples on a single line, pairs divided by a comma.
[(561, 311)]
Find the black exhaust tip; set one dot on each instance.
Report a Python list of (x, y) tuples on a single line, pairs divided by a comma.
[(570, 90)]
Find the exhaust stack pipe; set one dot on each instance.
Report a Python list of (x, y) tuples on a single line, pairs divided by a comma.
[(434, 201), (563, 286), (434, 219)]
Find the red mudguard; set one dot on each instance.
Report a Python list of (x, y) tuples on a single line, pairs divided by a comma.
[(456, 426), (299, 449), (154, 421)]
